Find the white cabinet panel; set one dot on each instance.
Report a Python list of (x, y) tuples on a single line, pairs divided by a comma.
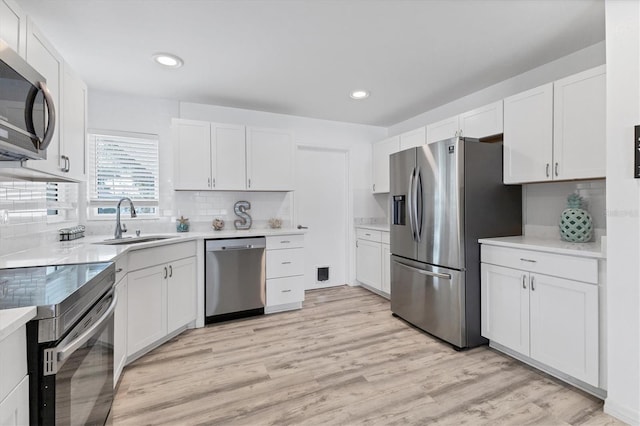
[(74, 126), (147, 307), (443, 129), (386, 268), (14, 409), (13, 26), (13, 360), (120, 330), (417, 137), (270, 155), (286, 290), (505, 307), (482, 122), (285, 263), (564, 326), (579, 125), (279, 242), (368, 270), (381, 152), (192, 154), (528, 135), (181, 293), (228, 171)]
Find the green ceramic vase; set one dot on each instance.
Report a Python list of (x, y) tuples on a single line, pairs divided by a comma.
[(576, 224)]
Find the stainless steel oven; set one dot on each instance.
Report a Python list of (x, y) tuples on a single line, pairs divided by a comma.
[(70, 342)]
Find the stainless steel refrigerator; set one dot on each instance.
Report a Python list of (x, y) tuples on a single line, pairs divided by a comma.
[(444, 196)]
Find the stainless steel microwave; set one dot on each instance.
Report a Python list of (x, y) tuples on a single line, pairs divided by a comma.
[(27, 113)]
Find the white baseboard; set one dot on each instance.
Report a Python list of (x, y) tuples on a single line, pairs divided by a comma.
[(620, 412)]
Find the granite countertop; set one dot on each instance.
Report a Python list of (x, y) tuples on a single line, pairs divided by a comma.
[(88, 249), (13, 319), (549, 245), (375, 227)]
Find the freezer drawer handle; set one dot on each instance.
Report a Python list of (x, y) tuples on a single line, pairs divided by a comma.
[(427, 273)]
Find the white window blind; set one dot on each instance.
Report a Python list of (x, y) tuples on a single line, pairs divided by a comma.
[(123, 166)]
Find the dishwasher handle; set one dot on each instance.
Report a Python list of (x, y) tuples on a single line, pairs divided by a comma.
[(248, 246), (230, 244)]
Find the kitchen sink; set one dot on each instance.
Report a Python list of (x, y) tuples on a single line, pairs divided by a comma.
[(135, 240)]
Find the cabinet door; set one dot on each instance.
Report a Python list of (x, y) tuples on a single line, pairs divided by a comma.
[(579, 125), (147, 307), (381, 152), (192, 154), (42, 57), (386, 268), (443, 129), (368, 269), (482, 122), (74, 125), (269, 160), (528, 135), (120, 330), (228, 157), (505, 307), (564, 326), (13, 26), (181, 293), (14, 409), (413, 138)]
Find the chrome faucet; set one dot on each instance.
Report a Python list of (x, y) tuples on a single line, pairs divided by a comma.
[(120, 228)]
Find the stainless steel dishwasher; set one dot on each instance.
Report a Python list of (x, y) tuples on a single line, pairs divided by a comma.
[(234, 278)]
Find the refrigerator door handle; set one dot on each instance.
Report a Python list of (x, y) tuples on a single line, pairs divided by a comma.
[(423, 272), (418, 205), (410, 205)]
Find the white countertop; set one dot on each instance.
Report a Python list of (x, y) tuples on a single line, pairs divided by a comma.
[(383, 228), (12, 319), (88, 249), (558, 246)]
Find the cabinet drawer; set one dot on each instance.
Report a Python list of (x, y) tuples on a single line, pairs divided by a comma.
[(285, 263), (13, 360), (563, 266), (144, 258), (285, 242), (385, 237), (369, 235), (285, 290)]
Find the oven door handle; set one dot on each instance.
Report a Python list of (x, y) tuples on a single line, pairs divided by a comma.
[(68, 349)]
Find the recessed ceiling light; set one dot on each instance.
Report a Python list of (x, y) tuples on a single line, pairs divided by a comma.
[(359, 94), (168, 60)]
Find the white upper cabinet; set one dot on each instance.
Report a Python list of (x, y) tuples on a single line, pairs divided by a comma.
[(413, 138), (478, 123), (74, 126), (228, 152), (579, 125), (13, 27), (482, 122), (528, 135), (443, 129), (381, 152), (269, 160), (192, 154), (557, 131)]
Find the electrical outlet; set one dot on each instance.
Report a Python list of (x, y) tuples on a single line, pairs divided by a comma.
[(4, 217)]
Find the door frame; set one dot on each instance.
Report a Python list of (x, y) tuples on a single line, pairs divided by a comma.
[(348, 213)]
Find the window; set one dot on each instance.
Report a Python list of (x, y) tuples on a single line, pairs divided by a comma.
[(122, 165), (59, 201)]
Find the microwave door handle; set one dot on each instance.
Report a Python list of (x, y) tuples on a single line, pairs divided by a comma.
[(68, 349), (51, 112), (28, 111), (410, 204)]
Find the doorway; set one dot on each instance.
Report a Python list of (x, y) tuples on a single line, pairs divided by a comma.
[(321, 204)]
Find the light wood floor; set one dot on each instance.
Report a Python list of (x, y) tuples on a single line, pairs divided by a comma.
[(341, 360)]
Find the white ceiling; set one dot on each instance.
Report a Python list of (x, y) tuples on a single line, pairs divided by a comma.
[(303, 57)]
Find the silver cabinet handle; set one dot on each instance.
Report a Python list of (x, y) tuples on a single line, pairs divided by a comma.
[(368, 235), (51, 112), (249, 183), (286, 291), (533, 286), (524, 282), (214, 182), (374, 187), (64, 166), (423, 272), (547, 169), (166, 273), (302, 227), (286, 263), (119, 270), (357, 243), (528, 260), (209, 182), (170, 271), (66, 350), (68, 164), (556, 169), (285, 242)]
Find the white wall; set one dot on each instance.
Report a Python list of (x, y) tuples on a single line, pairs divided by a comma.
[(623, 206)]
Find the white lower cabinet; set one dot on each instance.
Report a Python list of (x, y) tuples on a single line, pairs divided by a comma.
[(373, 260), (161, 290), (549, 319), (120, 322), (14, 409), (285, 273), (14, 381)]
